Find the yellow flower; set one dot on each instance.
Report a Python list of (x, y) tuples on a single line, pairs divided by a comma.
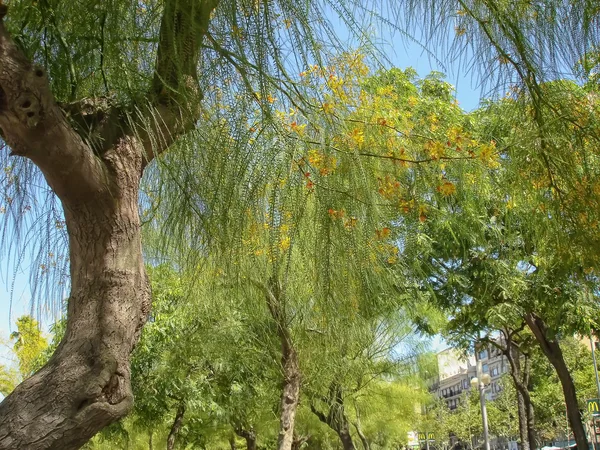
[(357, 136), (436, 149), (447, 189), (284, 244), (489, 155), (327, 108), (315, 158), (298, 128)]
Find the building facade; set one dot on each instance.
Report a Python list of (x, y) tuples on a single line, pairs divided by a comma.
[(456, 370)]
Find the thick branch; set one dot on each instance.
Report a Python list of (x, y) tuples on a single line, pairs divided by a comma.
[(34, 127), (175, 93)]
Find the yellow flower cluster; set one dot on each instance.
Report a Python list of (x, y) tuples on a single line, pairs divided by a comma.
[(325, 164), (389, 187), (447, 188)]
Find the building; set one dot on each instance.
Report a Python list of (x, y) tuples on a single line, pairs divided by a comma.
[(494, 363), (456, 370)]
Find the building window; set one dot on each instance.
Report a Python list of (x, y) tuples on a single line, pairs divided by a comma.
[(483, 354), (494, 371), (485, 368), (465, 384)]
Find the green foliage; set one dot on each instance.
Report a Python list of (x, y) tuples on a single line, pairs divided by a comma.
[(502, 412), (29, 345), (9, 378)]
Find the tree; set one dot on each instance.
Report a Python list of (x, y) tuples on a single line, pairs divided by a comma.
[(8, 380), (29, 344), (92, 106), (92, 126)]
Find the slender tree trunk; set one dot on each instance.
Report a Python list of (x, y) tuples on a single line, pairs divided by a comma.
[(290, 393), (86, 383), (553, 352), (232, 443), (176, 427), (249, 436), (150, 443), (520, 378), (361, 435), (522, 412), (346, 438), (531, 434), (336, 417), (523, 399)]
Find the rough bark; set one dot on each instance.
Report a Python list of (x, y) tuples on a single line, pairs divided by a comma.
[(249, 436), (86, 383), (176, 427), (336, 417), (290, 393), (551, 348)]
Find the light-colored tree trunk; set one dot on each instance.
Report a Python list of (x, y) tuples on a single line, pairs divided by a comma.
[(290, 395)]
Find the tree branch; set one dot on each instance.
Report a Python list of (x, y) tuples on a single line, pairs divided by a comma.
[(33, 126), (175, 94)]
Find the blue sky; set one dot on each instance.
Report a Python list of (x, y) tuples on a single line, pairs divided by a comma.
[(14, 286)]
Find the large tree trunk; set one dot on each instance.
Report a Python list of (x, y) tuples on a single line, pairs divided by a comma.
[(176, 427), (86, 383), (553, 352)]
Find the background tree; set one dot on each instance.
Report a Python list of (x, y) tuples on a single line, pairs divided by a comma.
[(92, 124), (29, 345)]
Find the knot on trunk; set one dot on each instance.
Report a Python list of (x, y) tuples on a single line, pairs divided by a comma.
[(28, 109), (115, 391)]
